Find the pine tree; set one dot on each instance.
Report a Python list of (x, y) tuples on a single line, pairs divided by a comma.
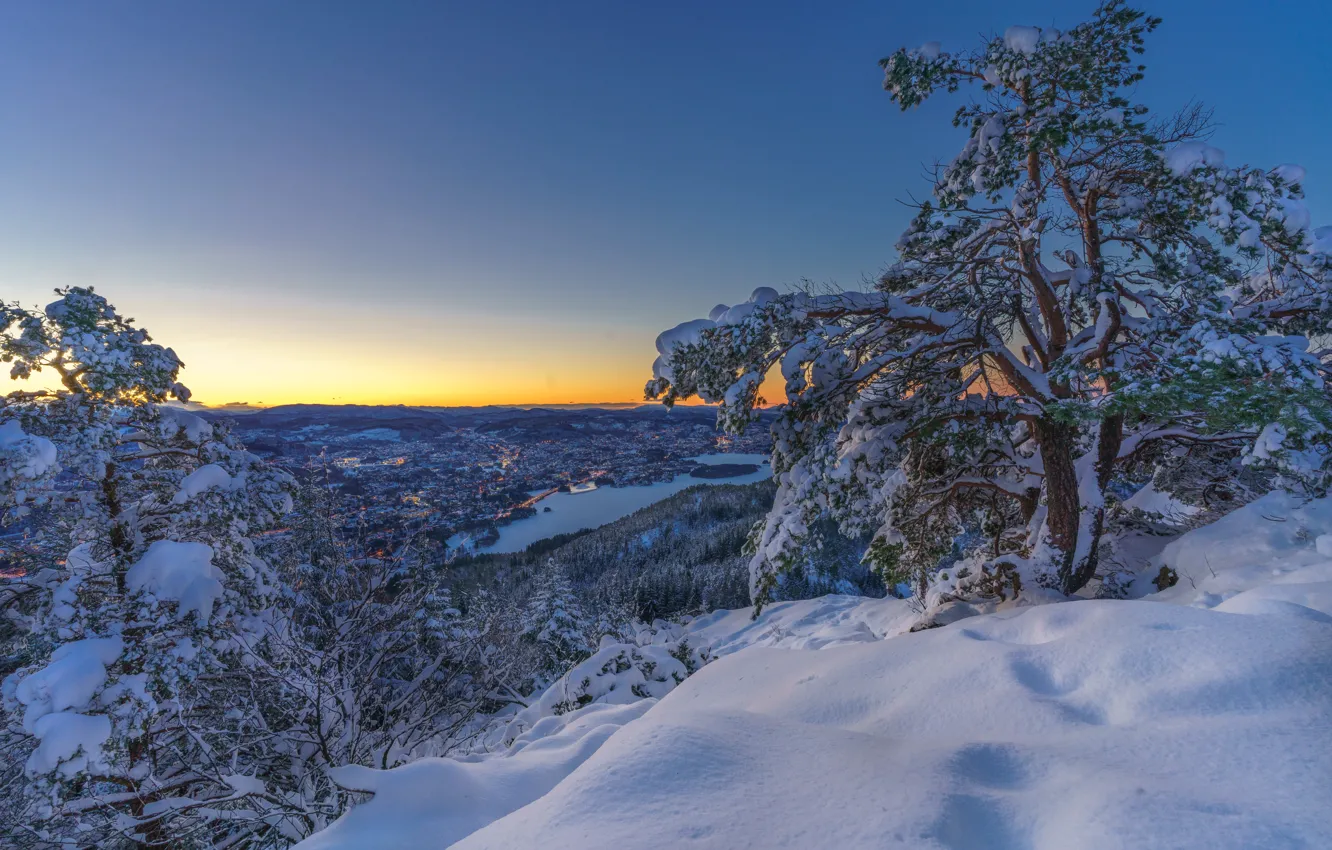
[(140, 631), (1087, 283), (555, 622)]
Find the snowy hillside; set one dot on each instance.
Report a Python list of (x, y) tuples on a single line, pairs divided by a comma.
[(1098, 724), (1196, 717)]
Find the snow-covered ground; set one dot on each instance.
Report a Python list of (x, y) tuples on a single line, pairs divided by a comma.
[(435, 802), (1200, 716)]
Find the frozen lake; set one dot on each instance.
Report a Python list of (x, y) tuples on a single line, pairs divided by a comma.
[(593, 508)]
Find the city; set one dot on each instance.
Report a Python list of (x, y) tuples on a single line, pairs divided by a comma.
[(450, 478)]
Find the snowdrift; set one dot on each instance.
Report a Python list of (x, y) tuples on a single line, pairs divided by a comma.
[(1097, 724), (1198, 717), (436, 801)]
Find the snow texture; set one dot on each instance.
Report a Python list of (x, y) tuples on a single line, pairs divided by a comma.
[(828, 621), (929, 50), (1290, 173), (1153, 501), (1098, 724), (76, 672), (204, 478), (69, 741), (437, 801), (179, 572), (1187, 156), (242, 784), (1257, 551), (24, 455), (1323, 544), (1022, 39), (175, 421), (1322, 240)]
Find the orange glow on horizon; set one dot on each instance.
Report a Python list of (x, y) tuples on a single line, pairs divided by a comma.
[(299, 350), (220, 373), (516, 396)]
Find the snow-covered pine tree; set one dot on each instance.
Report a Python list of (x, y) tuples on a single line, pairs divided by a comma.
[(134, 714), (555, 622), (1087, 283)]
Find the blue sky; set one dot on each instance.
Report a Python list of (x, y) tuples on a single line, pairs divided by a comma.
[(427, 201)]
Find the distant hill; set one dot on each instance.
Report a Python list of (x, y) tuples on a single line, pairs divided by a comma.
[(549, 422)]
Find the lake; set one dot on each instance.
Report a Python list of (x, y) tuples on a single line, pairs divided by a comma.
[(592, 508)]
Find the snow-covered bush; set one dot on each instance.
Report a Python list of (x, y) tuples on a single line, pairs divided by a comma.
[(131, 702), (363, 661), (647, 664), (1088, 285)]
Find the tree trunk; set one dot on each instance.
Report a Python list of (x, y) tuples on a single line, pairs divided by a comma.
[(1064, 508), (1062, 511), (122, 544), (1110, 438)]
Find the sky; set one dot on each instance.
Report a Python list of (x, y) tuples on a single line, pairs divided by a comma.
[(504, 202)]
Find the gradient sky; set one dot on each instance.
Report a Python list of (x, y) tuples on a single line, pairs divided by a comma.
[(505, 202)]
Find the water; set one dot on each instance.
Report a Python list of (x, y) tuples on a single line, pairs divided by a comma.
[(573, 511)]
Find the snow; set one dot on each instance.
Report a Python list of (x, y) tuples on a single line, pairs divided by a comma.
[(742, 387), (242, 784), (828, 621), (1095, 724), (691, 332), (1189, 718), (69, 741), (176, 421), (1323, 545), (1153, 501), (204, 478), (1295, 215), (179, 572), (616, 674), (24, 455), (1266, 544), (1322, 240), (1022, 39), (76, 672), (434, 802), (1290, 173), (929, 50), (1269, 441), (685, 333), (737, 314), (1187, 156)]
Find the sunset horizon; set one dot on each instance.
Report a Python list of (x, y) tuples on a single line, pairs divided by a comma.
[(382, 206)]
